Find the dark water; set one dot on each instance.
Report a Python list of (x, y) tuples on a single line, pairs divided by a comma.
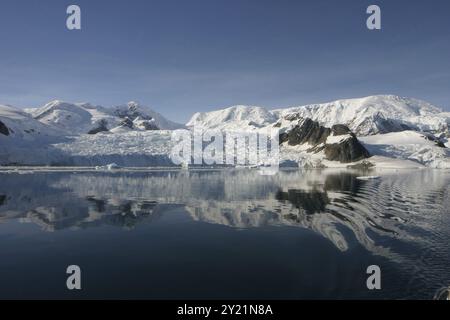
[(224, 234)]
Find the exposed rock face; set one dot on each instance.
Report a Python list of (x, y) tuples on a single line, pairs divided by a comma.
[(4, 129), (308, 132), (340, 129), (126, 123), (440, 144), (435, 139), (145, 124), (349, 150), (132, 111), (149, 125), (378, 123), (134, 118), (101, 127), (343, 145)]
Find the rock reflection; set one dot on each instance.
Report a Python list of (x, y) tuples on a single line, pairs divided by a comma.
[(308, 202), (341, 208), (33, 198), (92, 212)]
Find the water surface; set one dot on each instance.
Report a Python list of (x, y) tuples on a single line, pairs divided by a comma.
[(224, 234)]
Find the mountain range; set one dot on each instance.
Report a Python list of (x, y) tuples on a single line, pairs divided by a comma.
[(364, 116), (387, 126)]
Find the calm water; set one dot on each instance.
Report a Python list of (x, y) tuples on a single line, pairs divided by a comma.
[(224, 234)]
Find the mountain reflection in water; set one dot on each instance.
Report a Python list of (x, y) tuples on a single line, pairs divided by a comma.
[(403, 216)]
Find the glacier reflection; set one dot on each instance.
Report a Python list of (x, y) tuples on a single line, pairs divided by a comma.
[(347, 211)]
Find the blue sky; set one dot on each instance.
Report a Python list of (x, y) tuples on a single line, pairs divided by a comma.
[(184, 56)]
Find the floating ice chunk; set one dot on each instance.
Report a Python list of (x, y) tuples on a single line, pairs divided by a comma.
[(111, 166), (368, 177)]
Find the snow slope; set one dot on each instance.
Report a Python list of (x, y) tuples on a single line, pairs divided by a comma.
[(55, 134), (28, 141), (145, 113), (408, 145), (74, 118), (375, 114), (79, 118), (364, 116), (407, 149), (22, 125), (236, 117)]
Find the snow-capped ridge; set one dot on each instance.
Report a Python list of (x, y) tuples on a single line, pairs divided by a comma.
[(134, 110), (409, 145), (81, 118), (364, 116), (233, 117), (375, 114), (19, 124), (134, 135)]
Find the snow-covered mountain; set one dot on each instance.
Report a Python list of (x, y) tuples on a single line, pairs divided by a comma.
[(385, 117), (376, 114), (62, 133), (135, 111), (397, 132), (364, 116), (15, 123), (79, 118), (236, 117), (419, 147), (74, 118)]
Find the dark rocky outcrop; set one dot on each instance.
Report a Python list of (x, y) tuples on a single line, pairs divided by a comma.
[(4, 129), (349, 150), (148, 125), (126, 123), (132, 112), (378, 123), (340, 129), (101, 127), (311, 132), (308, 132), (98, 130), (436, 140)]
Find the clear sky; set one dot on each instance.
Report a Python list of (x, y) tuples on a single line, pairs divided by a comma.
[(183, 56)]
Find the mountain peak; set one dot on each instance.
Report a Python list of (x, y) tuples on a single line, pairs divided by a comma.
[(234, 116), (133, 104), (374, 114)]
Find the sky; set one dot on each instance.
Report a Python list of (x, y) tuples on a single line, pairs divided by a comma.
[(186, 56)]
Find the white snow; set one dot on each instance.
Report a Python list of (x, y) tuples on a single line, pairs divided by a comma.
[(365, 116), (368, 177), (22, 125), (79, 118), (337, 139), (160, 121), (408, 145), (55, 134), (236, 117), (73, 118)]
